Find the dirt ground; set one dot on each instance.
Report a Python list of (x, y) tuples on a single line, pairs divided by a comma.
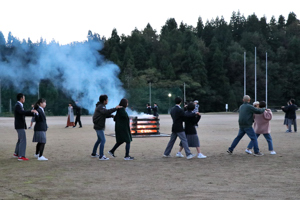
[(71, 173)]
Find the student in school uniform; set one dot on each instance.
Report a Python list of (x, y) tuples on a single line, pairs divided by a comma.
[(40, 129)]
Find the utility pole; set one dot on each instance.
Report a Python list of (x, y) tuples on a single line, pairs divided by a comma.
[(266, 79), (244, 73), (255, 75)]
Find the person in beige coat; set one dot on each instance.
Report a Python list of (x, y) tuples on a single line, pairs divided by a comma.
[(262, 126)]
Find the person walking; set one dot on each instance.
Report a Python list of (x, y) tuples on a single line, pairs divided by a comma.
[(246, 112), (122, 130), (285, 122), (262, 127), (70, 121), (20, 126), (40, 129), (292, 119), (99, 119), (191, 119), (177, 115), (78, 114)]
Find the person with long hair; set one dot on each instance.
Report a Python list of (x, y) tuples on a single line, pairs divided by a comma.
[(40, 129), (122, 129), (70, 121)]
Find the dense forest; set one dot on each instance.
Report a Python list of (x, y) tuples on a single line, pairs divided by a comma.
[(208, 59)]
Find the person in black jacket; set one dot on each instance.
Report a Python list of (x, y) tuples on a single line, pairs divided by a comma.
[(99, 118), (148, 111), (191, 119), (291, 116), (78, 114), (20, 126), (177, 115), (155, 110), (40, 129)]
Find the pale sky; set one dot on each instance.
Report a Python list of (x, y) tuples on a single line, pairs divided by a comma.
[(66, 21)]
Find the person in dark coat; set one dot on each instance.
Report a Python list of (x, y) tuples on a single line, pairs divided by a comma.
[(155, 110), (148, 111), (191, 119), (20, 126), (99, 119), (78, 114), (292, 119), (122, 129), (40, 129), (285, 122)]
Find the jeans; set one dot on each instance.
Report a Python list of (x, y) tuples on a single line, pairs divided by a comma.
[(251, 134), (290, 122), (101, 140), (268, 138)]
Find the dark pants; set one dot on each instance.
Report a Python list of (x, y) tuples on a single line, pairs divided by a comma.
[(21, 143), (290, 122), (40, 149), (78, 120), (127, 147)]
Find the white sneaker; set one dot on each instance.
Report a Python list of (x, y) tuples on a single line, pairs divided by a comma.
[(167, 156), (248, 151), (36, 155), (190, 156), (179, 155), (103, 158), (200, 155), (42, 158), (272, 152)]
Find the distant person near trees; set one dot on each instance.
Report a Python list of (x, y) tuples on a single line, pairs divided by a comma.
[(78, 114), (292, 118), (148, 111), (285, 122), (155, 110), (70, 120)]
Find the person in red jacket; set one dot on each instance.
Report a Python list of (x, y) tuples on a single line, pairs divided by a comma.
[(262, 126)]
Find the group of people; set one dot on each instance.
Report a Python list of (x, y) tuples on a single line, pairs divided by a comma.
[(153, 109), (70, 120), (40, 128), (261, 118)]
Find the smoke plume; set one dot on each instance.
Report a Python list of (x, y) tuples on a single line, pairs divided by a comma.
[(77, 69)]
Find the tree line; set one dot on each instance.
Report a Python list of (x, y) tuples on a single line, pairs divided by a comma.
[(208, 59)]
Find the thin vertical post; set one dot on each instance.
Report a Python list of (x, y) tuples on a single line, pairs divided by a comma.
[(184, 99), (10, 109), (0, 98), (244, 73), (38, 90), (150, 93), (266, 79), (255, 76)]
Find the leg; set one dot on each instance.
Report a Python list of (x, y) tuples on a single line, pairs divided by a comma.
[(295, 125), (79, 121), (250, 145), (237, 139), (185, 145), (96, 144), (37, 149), (269, 140), (115, 147), (17, 146), (101, 135), (127, 148), (22, 144), (42, 146), (76, 120), (198, 150), (290, 121), (251, 134), (170, 144)]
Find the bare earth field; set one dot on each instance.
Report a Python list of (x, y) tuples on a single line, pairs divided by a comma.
[(71, 173)]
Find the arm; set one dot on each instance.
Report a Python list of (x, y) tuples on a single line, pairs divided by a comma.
[(268, 114), (20, 111), (257, 110)]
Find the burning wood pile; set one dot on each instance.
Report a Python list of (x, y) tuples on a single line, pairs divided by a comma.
[(145, 125)]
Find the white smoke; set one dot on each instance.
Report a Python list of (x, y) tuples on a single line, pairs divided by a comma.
[(77, 69)]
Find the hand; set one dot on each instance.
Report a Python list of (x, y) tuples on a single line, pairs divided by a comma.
[(198, 113), (282, 106), (117, 107), (34, 111)]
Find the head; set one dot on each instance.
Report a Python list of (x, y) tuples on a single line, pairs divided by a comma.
[(103, 99), (292, 101), (191, 106), (178, 100), (196, 102), (41, 102), (123, 103), (21, 97), (148, 104), (155, 104), (262, 104), (246, 99), (70, 104), (256, 104)]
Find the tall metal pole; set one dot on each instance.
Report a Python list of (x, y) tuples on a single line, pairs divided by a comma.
[(38, 90), (150, 93), (244, 73), (0, 98), (184, 99), (266, 80), (255, 74), (10, 109)]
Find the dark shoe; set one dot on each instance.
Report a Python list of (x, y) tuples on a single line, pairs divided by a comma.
[(94, 155), (66, 127), (128, 158), (258, 154), (111, 154), (229, 151), (80, 126)]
